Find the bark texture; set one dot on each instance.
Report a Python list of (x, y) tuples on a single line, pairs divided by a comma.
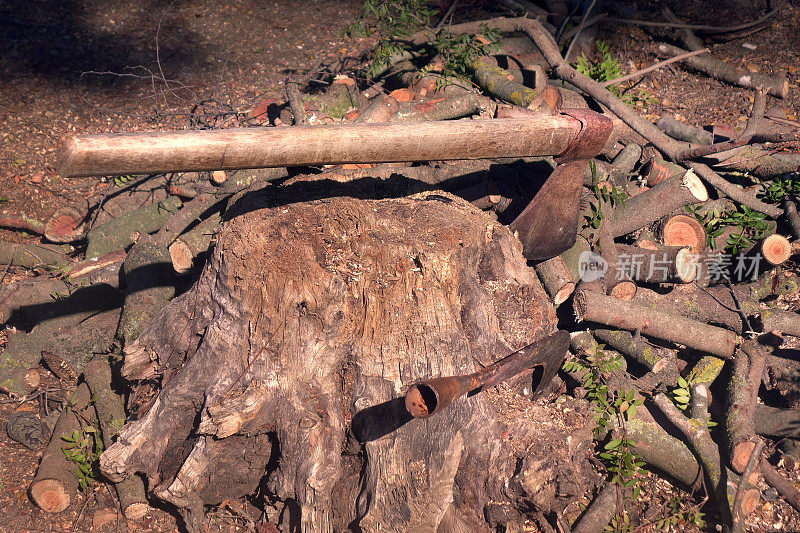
[(289, 358)]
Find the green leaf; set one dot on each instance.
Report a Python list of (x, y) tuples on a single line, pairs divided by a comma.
[(614, 443)]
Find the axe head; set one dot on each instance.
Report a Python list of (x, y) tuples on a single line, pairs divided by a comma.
[(548, 226)]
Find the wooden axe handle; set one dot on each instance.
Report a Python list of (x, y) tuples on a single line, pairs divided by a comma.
[(140, 153)]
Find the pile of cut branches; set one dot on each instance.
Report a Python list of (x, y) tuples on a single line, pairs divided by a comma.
[(684, 277)]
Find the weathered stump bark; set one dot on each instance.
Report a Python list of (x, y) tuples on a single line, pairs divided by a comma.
[(289, 358)]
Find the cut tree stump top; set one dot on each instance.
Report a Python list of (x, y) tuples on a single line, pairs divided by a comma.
[(316, 312)]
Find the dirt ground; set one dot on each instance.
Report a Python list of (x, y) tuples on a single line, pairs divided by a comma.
[(100, 66)]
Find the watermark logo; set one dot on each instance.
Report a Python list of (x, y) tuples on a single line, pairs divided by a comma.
[(591, 266), (662, 267)]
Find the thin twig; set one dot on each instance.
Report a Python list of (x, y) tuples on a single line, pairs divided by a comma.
[(447, 13), (580, 29), (158, 57), (653, 67), (703, 27), (787, 122), (589, 23), (5, 273)]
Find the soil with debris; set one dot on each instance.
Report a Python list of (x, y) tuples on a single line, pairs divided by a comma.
[(101, 66)]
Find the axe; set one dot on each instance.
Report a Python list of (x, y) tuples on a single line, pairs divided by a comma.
[(429, 397), (546, 227)]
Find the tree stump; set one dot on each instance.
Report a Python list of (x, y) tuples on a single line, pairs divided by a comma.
[(285, 365)]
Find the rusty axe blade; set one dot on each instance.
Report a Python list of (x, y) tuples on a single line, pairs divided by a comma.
[(429, 397), (548, 226)]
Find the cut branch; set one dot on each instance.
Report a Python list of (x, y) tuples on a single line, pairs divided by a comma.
[(775, 479), (696, 433), (600, 511), (758, 161), (495, 80), (685, 35), (713, 305), (150, 285), (65, 225), (655, 203), (668, 265), (436, 108), (658, 360), (55, 485), (738, 508), (556, 279), (748, 366), (683, 230), (729, 74), (779, 320), (790, 209), (111, 416), (776, 249), (35, 255), (186, 248), (122, 231), (656, 66), (684, 132), (606, 310), (22, 222)]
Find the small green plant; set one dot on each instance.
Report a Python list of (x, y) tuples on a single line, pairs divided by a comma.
[(612, 196), (779, 189), (459, 52), (83, 448), (612, 407), (607, 68), (677, 514), (752, 226), (595, 218), (681, 396), (620, 523), (57, 296), (122, 181), (711, 223), (393, 22)]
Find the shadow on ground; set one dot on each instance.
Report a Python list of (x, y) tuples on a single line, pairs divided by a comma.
[(64, 40)]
